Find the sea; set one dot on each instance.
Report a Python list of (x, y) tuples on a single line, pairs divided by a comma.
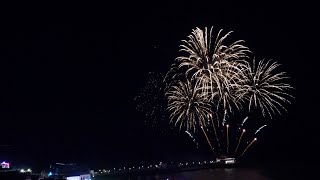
[(278, 171)]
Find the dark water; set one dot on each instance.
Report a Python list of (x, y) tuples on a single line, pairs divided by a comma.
[(279, 172)]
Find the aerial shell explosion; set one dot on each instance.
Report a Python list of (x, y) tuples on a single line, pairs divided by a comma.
[(212, 84)]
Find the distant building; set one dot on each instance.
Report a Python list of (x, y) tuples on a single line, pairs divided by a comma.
[(5, 165)]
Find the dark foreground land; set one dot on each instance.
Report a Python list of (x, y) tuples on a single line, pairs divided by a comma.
[(15, 175), (239, 172)]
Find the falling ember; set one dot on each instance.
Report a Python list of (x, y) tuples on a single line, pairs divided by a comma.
[(248, 146), (243, 131)]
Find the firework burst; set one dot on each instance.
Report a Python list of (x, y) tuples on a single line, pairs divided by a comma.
[(211, 81), (187, 105), (264, 88), (216, 65), (151, 99)]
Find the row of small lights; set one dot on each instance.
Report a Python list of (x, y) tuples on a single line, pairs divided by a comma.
[(156, 166)]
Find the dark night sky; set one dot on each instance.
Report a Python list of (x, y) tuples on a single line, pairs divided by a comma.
[(69, 74)]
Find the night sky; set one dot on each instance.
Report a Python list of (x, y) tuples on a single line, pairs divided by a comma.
[(70, 72)]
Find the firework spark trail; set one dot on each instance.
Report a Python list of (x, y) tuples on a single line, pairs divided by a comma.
[(227, 138), (260, 129), (245, 119), (224, 118), (193, 139), (243, 131), (248, 146), (204, 132)]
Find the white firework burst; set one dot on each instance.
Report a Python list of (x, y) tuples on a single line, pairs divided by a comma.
[(188, 105), (211, 77), (265, 89), (215, 64)]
